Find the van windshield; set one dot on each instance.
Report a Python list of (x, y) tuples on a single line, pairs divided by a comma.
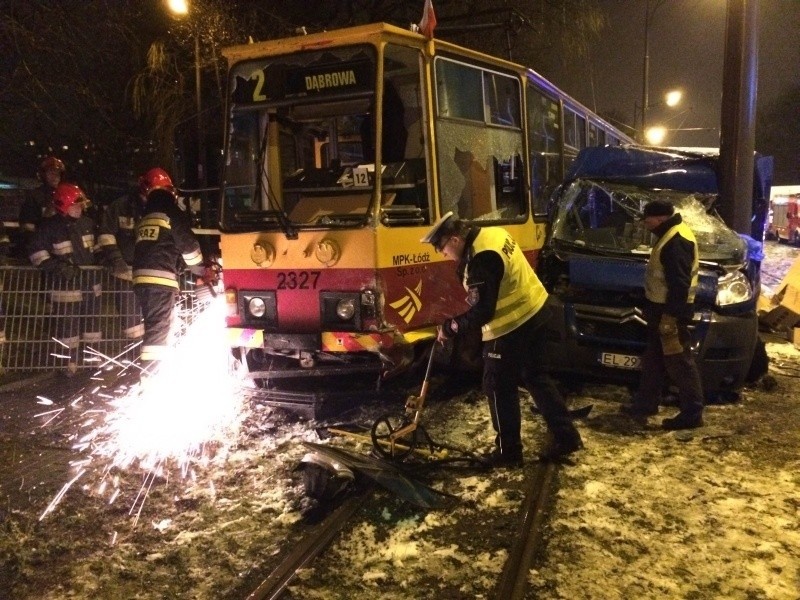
[(602, 217)]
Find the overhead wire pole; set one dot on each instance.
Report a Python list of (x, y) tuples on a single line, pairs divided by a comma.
[(201, 174), (737, 127)]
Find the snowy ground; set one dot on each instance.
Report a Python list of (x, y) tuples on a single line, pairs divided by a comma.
[(643, 513), (710, 513)]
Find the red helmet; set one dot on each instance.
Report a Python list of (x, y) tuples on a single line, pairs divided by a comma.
[(155, 179), (66, 195), (51, 162)]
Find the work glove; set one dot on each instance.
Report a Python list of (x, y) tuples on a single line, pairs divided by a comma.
[(121, 270), (208, 273), (197, 270), (668, 331)]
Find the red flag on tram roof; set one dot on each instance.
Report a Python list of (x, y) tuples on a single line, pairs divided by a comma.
[(428, 22)]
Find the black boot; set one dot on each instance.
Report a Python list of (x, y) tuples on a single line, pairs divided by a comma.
[(510, 458), (682, 421), (638, 411)]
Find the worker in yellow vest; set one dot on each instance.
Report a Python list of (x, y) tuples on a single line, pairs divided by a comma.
[(508, 304), (670, 286)]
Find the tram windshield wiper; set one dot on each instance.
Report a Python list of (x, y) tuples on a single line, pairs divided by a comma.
[(258, 195)]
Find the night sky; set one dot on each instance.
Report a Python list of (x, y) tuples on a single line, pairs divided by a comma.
[(687, 40)]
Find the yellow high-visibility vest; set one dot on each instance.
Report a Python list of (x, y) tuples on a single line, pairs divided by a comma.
[(655, 281), (521, 294)]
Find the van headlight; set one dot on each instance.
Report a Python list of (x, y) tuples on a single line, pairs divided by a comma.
[(734, 288)]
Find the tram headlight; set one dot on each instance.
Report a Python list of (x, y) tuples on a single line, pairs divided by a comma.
[(346, 308), (257, 307), (340, 311)]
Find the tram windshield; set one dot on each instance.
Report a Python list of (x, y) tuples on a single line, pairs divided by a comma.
[(302, 138)]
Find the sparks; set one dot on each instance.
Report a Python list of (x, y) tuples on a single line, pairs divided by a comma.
[(188, 408)]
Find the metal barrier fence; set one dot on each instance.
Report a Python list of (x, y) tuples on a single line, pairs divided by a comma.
[(33, 323)]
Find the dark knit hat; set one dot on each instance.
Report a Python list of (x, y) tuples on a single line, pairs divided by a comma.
[(658, 208)]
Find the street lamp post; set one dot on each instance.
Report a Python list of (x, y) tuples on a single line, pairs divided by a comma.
[(648, 15), (201, 174), (181, 8)]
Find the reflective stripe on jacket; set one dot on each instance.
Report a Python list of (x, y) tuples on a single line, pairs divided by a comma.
[(162, 240)]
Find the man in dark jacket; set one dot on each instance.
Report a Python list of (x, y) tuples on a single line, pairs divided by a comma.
[(61, 245), (508, 304), (164, 243), (670, 286), (38, 203)]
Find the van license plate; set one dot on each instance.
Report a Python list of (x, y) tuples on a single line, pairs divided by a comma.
[(620, 361)]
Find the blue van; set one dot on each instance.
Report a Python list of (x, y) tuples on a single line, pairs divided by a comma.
[(594, 261)]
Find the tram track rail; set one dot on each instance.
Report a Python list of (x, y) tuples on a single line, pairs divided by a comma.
[(512, 582), (514, 577), (312, 545)]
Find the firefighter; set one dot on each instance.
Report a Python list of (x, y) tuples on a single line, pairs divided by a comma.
[(164, 243), (61, 244), (117, 239), (38, 203), (508, 303)]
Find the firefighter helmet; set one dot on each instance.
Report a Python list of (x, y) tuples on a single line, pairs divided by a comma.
[(66, 195), (155, 179), (51, 162)]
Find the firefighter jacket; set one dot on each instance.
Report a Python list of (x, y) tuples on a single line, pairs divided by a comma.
[(59, 246), (502, 290), (38, 205), (672, 271), (164, 241), (117, 230)]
